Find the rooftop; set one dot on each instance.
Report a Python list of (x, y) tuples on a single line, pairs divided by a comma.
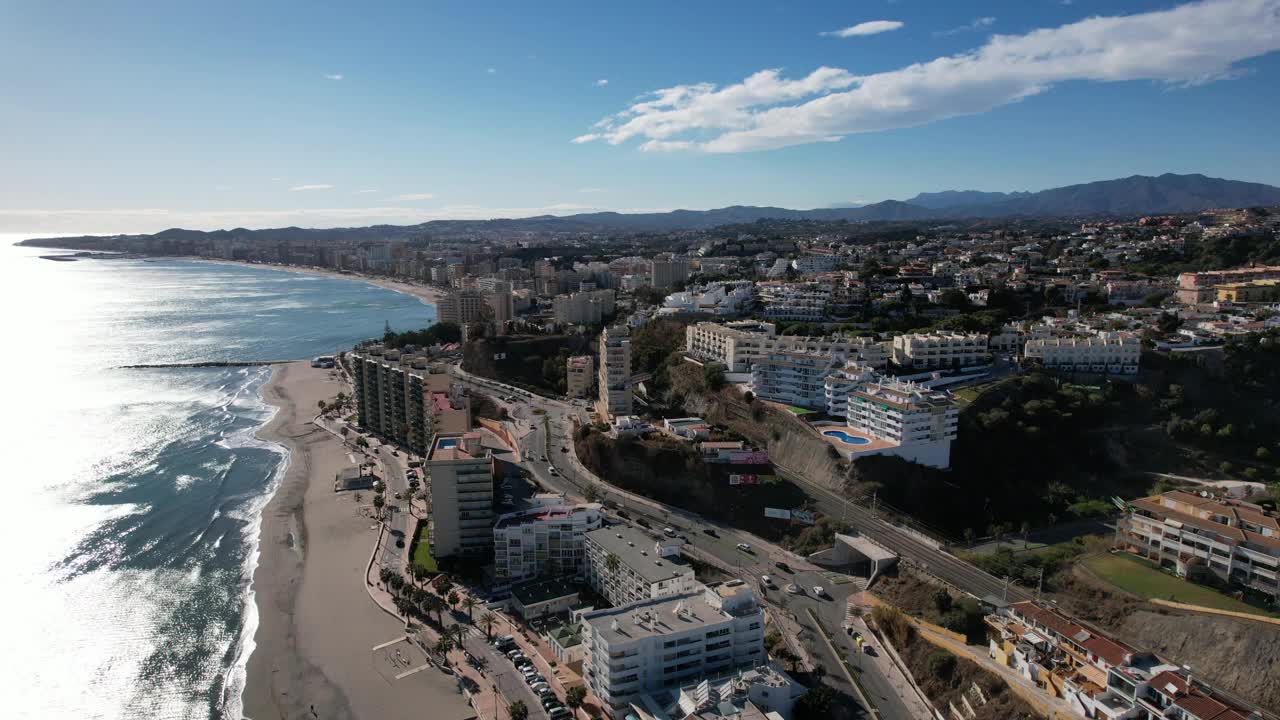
[(638, 551), (653, 618), (544, 514), (539, 591)]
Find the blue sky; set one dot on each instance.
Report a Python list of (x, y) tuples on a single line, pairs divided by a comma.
[(139, 116)]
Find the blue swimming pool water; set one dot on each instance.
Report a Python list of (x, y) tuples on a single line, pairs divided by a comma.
[(447, 443), (845, 437)]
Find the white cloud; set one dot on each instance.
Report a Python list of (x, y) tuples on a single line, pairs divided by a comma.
[(303, 188), (334, 76), (591, 190), (977, 24), (1186, 45), (871, 27), (366, 191), (414, 197), (601, 82), (492, 71)]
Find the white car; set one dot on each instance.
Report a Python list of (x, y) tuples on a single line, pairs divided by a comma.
[(766, 581), (744, 547), (819, 591), (669, 532), (553, 471)]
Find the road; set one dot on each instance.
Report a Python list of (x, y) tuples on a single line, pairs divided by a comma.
[(541, 452)]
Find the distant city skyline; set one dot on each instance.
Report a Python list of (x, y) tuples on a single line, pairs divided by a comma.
[(136, 118)]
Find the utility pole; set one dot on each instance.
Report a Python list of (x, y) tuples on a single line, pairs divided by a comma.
[(1040, 583), (1006, 588)]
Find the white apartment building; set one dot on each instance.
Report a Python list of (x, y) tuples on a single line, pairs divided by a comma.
[(1115, 353), (738, 345), (794, 378), (399, 399), (614, 379), (841, 381), (720, 298), (544, 541), (461, 307), (919, 424), (669, 642), (461, 473), (1237, 541), (795, 302), (646, 568), (929, 351), (811, 264), (590, 307), (579, 375)]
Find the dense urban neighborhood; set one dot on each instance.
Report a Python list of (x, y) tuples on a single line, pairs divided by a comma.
[(797, 469)]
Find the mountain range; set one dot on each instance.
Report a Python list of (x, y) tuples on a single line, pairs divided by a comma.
[(1136, 195)]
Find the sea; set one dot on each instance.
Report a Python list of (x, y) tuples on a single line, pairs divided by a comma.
[(129, 529)]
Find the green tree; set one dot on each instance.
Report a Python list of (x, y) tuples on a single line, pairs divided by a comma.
[(815, 703), (518, 711), (574, 697), (612, 563), (443, 645), (469, 604), (452, 598), (487, 621)]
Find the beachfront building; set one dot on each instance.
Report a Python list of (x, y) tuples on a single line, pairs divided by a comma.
[(615, 371), (932, 351), (1201, 287), (794, 378), (579, 376), (1114, 353), (1236, 541), (399, 399), (543, 541), (626, 565), (589, 307), (919, 424), (461, 472), (669, 642), (738, 345), (461, 307)]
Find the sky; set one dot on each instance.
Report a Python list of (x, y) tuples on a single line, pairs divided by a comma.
[(137, 116)]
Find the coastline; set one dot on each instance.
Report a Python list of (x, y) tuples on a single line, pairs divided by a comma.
[(427, 294), (316, 623)]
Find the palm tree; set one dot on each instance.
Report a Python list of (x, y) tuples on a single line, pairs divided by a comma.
[(443, 645), (518, 711), (460, 636), (408, 498), (396, 582), (452, 598), (385, 574), (612, 563), (378, 503), (419, 574), (574, 697), (487, 621), (435, 604), (469, 604), (403, 605)]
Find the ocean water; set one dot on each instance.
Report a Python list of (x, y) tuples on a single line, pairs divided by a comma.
[(128, 527)]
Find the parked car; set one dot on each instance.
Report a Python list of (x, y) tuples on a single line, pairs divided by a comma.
[(819, 591), (744, 547), (766, 581), (538, 687), (783, 567), (558, 713), (548, 703), (669, 532), (710, 531)]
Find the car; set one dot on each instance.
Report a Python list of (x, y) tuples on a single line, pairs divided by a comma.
[(819, 591), (513, 654), (766, 581), (399, 542), (564, 449), (744, 547), (642, 522), (501, 640), (552, 470), (669, 532), (557, 713), (793, 589), (783, 567), (538, 687), (399, 496), (710, 531)]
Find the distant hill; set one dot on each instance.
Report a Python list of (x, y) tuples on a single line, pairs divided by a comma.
[(1137, 195), (962, 198)]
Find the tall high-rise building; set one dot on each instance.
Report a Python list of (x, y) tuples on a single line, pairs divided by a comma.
[(399, 399), (502, 305), (461, 307), (668, 269), (615, 371), (579, 376), (545, 541), (461, 473)]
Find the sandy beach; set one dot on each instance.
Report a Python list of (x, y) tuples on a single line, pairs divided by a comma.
[(316, 643), (425, 293)]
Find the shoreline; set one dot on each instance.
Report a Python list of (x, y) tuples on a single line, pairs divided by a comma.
[(427, 294), (316, 621)]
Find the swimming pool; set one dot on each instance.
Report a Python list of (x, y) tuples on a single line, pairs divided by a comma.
[(446, 443), (845, 437)]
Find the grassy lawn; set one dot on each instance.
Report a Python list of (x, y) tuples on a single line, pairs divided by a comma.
[(799, 410), (422, 553), (1142, 578), (965, 396)]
